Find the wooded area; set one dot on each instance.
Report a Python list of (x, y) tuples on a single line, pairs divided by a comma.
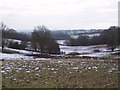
[(41, 39)]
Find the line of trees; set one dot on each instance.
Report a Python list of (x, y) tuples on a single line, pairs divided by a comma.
[(60, 35), (110, 37), (44, 41), (7, 33), (13, 34), (41, 40)]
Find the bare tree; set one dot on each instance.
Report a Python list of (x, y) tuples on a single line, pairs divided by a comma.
[(2, 29), (43, 41)]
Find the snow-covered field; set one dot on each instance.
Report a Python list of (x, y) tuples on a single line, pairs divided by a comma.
[(79, 49), (82, 50), (18, 57), (61, 42), (13, 40), (22, 51), (86, 50)]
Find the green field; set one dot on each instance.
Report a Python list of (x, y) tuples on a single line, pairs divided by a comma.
[(60, 73)]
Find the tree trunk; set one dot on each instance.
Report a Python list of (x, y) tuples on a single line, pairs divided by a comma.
[(112, 49)]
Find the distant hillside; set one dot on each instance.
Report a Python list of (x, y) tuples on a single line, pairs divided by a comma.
[(66, 34)]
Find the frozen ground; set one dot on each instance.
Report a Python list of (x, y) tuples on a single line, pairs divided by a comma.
[(89, 51), (22, 51), (100, 54), (14, 40), (82, 50), (86, 50), (18, 57), (61, 41)]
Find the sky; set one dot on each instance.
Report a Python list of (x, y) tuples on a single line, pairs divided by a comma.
[(59, 14)]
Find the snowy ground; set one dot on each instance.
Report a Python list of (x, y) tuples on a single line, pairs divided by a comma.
[(61, 42), (18, 57), (21, 56), (86, 50), (22, 51), (82, 50)]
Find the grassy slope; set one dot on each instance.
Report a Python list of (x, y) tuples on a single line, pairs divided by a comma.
[(68, 73)]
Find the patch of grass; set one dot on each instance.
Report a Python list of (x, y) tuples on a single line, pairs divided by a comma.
[(61, 73)]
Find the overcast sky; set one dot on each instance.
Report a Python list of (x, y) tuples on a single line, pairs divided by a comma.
[(59, 14)]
